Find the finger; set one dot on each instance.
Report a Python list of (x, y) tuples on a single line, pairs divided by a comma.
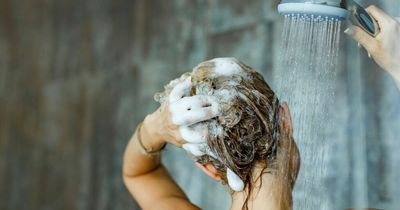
[(178, 140), (288, 118), (190, 110), (193, 102), (295, 162), (379, 15), (195, 149), (180, 90), (199, 150), (362, 37), (194, 134), (197, 101), (194, 116), (212, 154)]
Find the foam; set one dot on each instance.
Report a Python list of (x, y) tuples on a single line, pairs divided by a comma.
[(194, 134), (190, 110), (206, 104), (226, 95), (196, 149), (226, 66), (180, 90), (199, 149), (234, 180)]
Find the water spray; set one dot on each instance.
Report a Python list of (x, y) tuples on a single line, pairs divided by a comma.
[(336, 9), (307, 80)]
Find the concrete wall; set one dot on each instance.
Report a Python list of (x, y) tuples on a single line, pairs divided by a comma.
[(76, 77)]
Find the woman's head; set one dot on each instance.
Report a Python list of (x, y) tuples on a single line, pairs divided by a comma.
[(248, 132)]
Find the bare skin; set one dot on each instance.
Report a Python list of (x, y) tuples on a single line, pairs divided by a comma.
[(385, 47), (150, 183), (144, 175)]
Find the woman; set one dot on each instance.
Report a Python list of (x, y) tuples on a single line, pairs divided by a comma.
[(232, 124), (385, 47)]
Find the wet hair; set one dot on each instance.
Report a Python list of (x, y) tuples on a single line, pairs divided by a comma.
[(248, 130)]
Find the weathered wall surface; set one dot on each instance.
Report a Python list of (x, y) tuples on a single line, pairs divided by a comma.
[(77, 76)]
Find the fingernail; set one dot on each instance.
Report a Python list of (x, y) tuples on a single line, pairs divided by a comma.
[(348, 31)]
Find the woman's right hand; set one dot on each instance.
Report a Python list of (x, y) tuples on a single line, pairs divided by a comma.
[(385, 47), (180, 111)]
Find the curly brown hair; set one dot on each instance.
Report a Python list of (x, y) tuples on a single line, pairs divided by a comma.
[(251, 132)]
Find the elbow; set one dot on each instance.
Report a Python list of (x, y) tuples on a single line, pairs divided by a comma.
[(127, 173), (126, 178)]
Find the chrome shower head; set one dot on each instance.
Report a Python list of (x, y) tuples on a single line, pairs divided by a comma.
[(338, 9), (330, 9), (361, 18)]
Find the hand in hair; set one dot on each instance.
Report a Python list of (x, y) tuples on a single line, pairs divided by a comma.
[(143, 172), (168, 123), (232, 124)]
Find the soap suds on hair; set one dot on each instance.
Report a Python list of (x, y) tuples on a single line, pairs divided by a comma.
[(226, 67), (234, 180), (196, 133), (242, 131)]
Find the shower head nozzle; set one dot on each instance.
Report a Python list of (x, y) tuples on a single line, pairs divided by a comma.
[(337, 9), (330, 9)]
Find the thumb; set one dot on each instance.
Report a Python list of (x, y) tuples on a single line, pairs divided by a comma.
[(362, 37)]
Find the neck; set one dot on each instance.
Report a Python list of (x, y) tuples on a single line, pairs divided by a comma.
[(263, 194)]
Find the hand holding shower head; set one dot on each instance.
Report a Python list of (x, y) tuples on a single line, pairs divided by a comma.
[(361, 18), (338, 9)]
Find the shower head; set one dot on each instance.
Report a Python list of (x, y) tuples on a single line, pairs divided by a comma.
[(338, 9), (330, 9), (361, 18)]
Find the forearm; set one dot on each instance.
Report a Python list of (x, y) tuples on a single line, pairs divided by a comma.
[(143, 173), (136, 162)]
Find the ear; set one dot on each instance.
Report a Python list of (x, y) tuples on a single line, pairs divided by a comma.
[(210, 170), (286, 118)]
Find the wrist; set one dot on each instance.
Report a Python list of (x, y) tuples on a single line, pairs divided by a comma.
[(150, 136)]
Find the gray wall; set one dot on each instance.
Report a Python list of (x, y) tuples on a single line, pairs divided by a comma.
[(77, 76)]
